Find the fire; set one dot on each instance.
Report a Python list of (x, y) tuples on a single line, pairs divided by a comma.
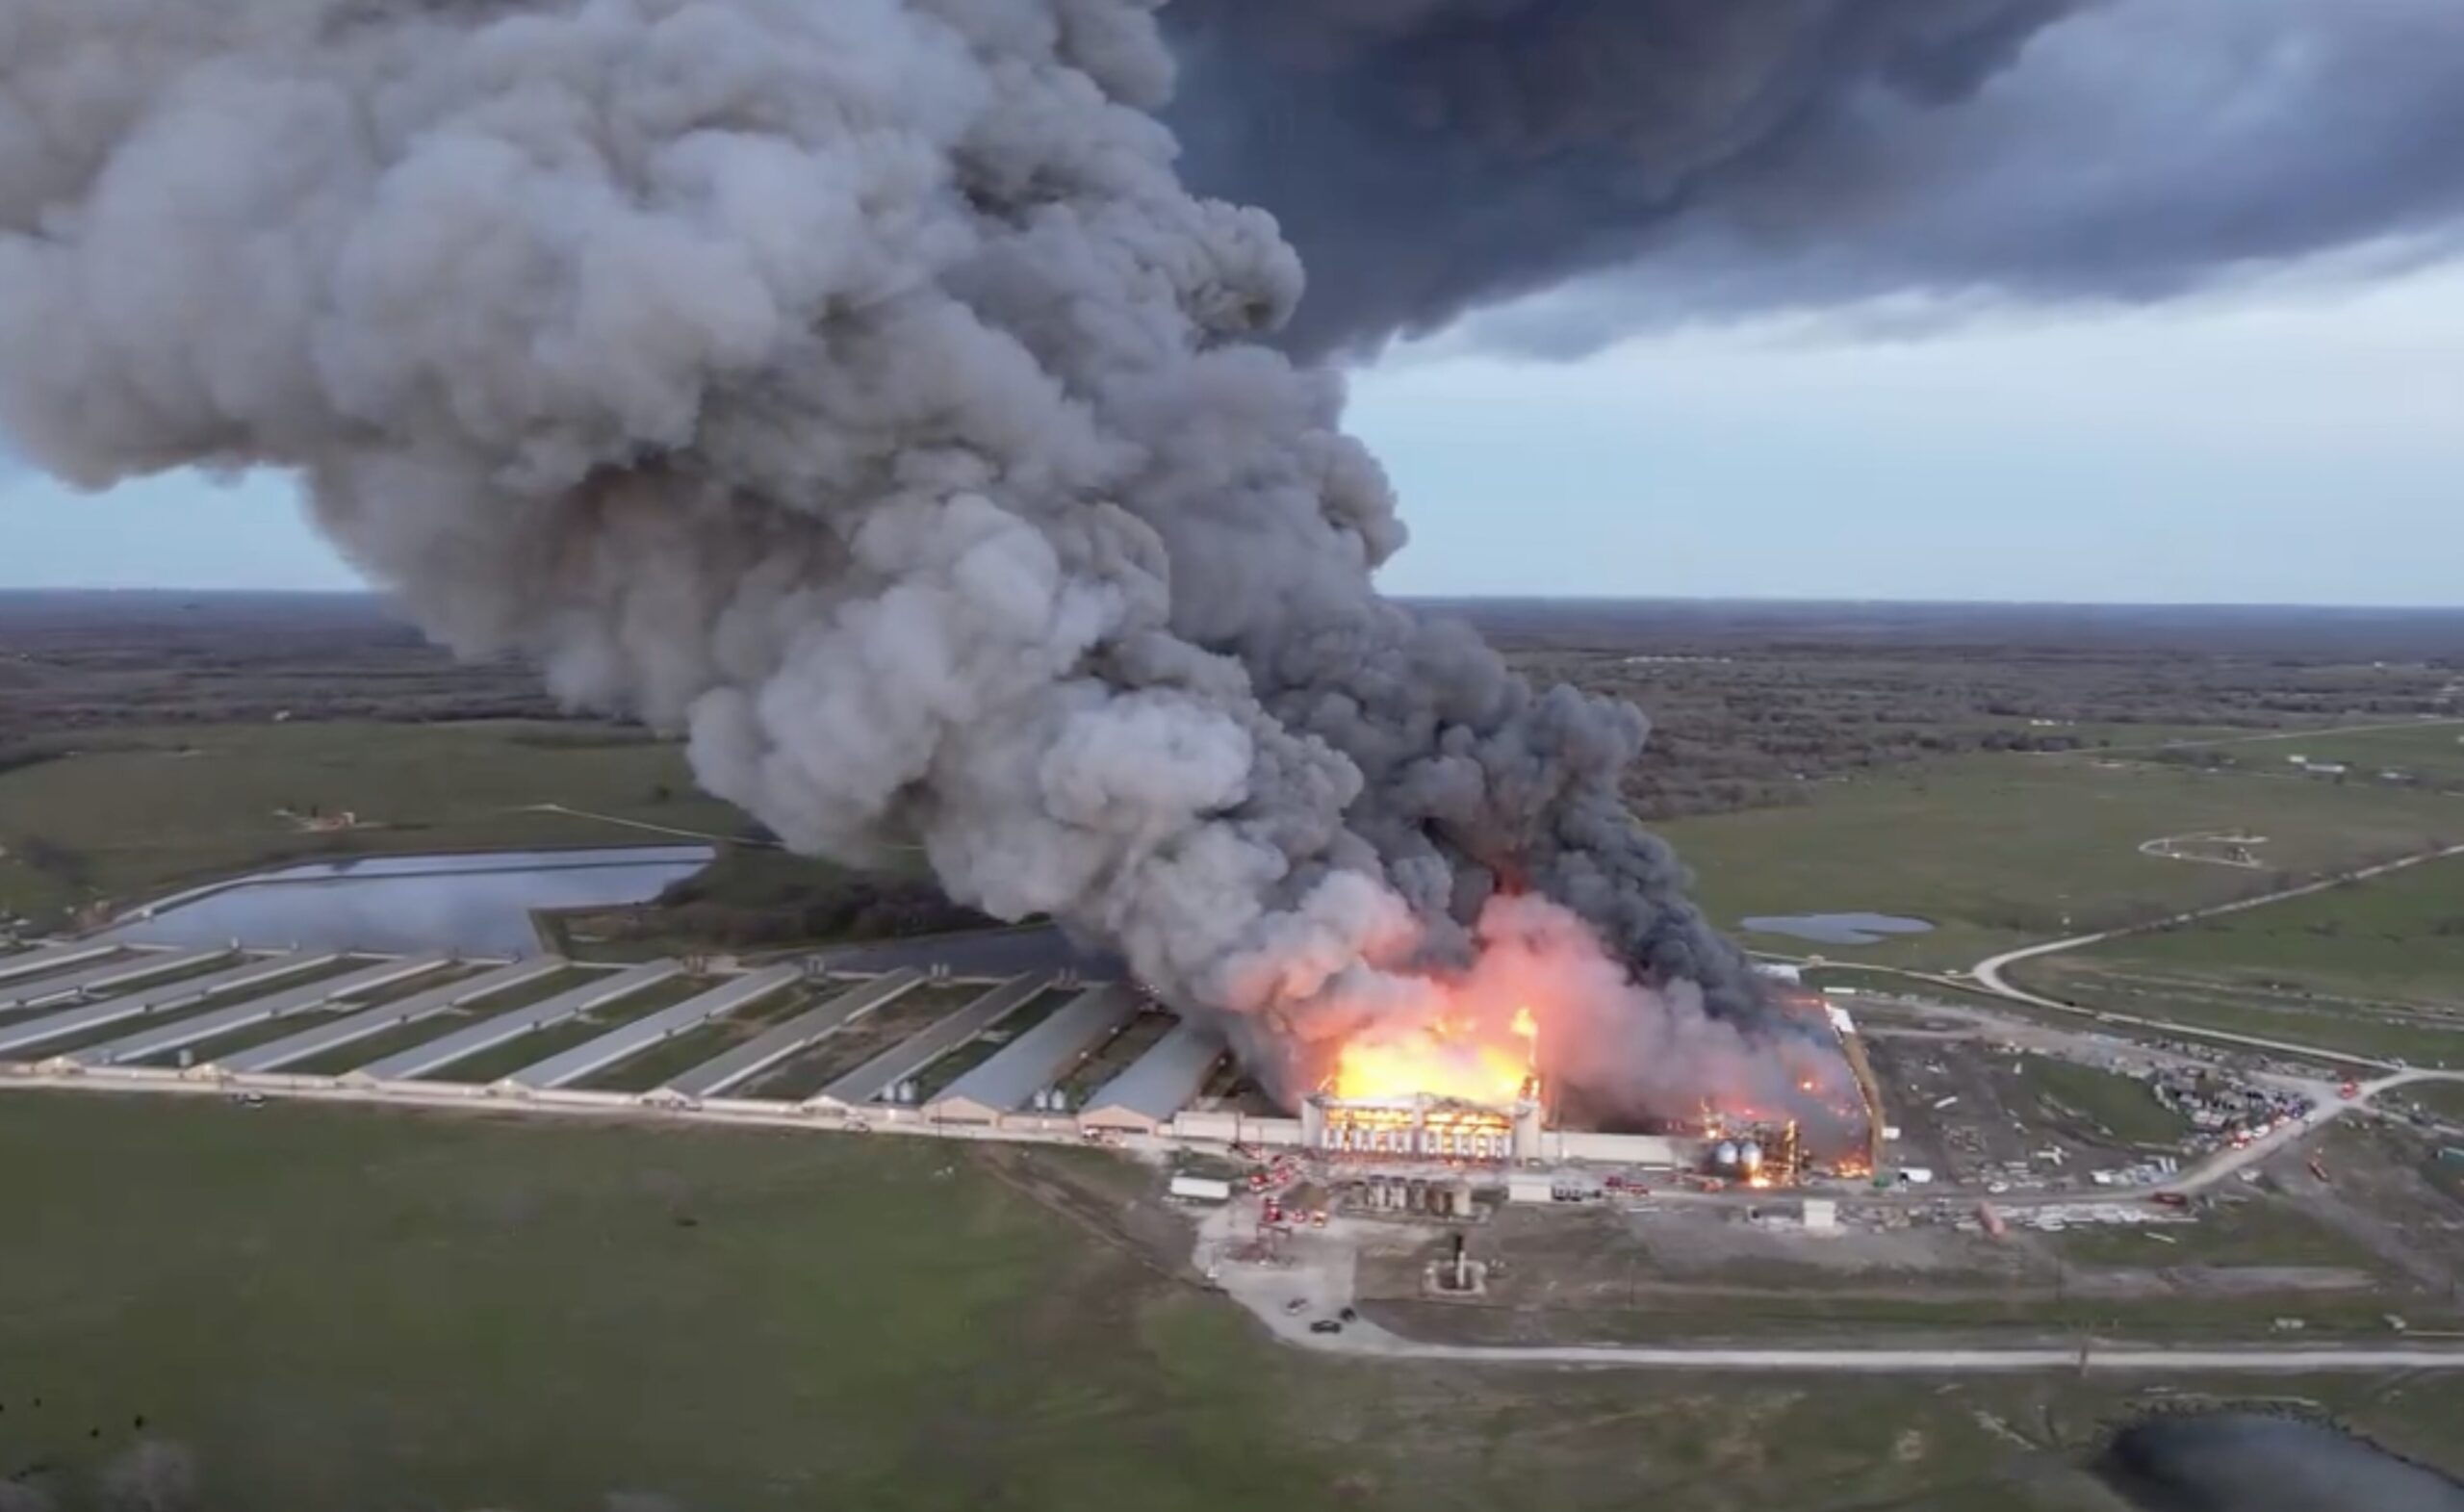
[(1448, 1059)]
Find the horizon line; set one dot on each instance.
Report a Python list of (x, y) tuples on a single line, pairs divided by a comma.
[(1709, 599)]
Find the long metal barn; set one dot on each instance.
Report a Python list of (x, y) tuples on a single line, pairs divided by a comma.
[(164, 998), (49, 991), (228, 1016), (436, 1055), (1037, 1059), (52, 957), (627, 1040), (739, 1066), (876, 1077), (310, 1043), (308, 999), (1158, 1085)]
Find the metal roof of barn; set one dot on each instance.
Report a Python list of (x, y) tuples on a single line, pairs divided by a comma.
[(53, 958), (757, 1055), (937, 1040), (489, 1033), (1160, 1083), (45, 991), (1040, 1057), (306, 999), (368, 1023), (627, 1040), (164, 998)]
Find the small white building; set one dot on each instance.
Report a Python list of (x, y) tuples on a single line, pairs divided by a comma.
[(1525, 1186), (1201, 1188), (1822, 1215), (1562, 1186)]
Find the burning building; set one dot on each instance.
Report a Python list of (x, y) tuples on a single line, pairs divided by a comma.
[(1422, 1127), (1445, 1093)]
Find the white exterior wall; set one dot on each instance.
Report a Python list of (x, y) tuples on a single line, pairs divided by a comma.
[(1271, 1131), (1529, 1187), (1654, 1150), (1220, 1127)]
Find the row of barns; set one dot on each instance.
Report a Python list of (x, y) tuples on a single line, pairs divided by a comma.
[(1041, 1055)]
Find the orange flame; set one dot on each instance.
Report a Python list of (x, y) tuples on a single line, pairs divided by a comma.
[(1446, 1060)]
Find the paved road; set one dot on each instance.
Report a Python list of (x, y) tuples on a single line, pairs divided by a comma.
[(1988, 974), (2103, 1358), (720, 840), (1370, 1339)]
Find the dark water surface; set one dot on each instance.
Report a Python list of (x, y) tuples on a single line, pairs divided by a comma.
[(478, 904), (2252, 1462), (1836, 928)]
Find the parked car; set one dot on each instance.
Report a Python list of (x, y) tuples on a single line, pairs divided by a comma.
[(1325, 1325)]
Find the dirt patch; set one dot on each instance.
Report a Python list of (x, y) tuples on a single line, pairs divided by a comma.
[(1977, 1110), (1552, 1261), (2382, 1192)]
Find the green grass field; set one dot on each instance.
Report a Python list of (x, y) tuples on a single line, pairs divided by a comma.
[(149, 811), (2433, 754), (2395, 938), (2442, 1099), (2375, 969), (2326, 1027), (337, 1309), (1999, 851), (2243, 1233)]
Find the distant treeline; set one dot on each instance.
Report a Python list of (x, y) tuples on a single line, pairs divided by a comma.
[(1751, 703)]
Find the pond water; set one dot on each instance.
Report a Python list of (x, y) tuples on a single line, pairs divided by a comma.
[(478, 904), (2252, 1462), (1838, 929)]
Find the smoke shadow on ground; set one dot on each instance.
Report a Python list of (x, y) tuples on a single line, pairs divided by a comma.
[(2256, 1462)]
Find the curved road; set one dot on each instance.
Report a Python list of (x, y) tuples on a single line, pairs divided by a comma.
[(1988, 973)]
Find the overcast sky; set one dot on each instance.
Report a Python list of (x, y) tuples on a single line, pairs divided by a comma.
[(2292, 442)]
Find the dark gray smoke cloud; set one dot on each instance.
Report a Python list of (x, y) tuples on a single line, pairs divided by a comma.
[(1429, 158), (855, 388)]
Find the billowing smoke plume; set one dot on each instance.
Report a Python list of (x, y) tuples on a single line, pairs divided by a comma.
[(855, 387), (1430, 157)]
